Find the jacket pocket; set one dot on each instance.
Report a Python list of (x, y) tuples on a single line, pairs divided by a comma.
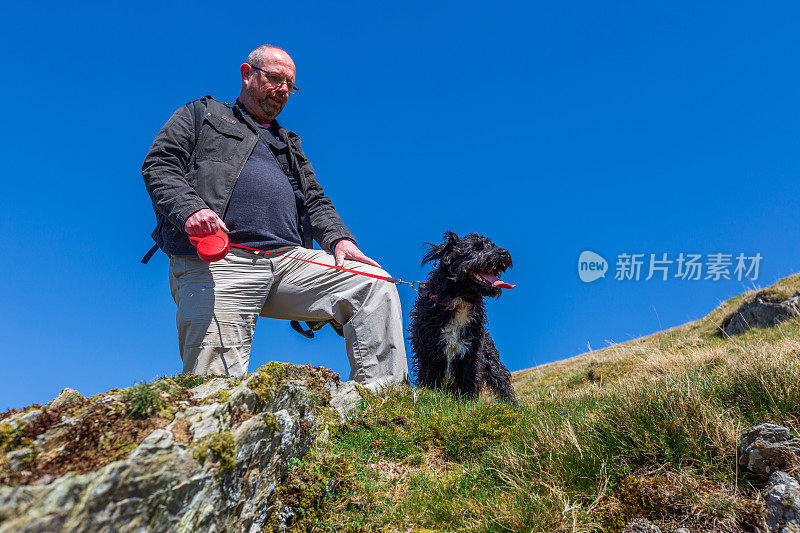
[(218, 140)]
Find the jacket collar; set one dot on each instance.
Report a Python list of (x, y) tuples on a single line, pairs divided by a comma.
[(276, 135)]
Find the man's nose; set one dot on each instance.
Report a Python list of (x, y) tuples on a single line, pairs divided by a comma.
[(281, 93), (283, 86)]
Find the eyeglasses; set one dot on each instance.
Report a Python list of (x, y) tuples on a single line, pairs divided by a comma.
[(276, 80)]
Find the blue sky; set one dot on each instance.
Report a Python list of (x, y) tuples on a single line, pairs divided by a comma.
[(552, 128)]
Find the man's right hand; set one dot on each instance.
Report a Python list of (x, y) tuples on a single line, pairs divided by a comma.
[(204, 222)]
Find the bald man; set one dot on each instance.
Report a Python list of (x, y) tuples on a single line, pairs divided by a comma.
[(235, 168)]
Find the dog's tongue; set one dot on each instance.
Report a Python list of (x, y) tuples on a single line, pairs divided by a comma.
[(496, 282)]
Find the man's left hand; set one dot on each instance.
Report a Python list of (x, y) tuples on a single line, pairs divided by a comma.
[(346, 249)]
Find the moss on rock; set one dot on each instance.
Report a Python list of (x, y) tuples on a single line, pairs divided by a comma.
[(10, 437), (673, 499), (310, 489), (269, 377), (223, 447), (271, 422), (362, 390), (222, 396)]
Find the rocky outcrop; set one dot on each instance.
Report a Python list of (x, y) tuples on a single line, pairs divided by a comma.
[(211, 459), (782, 500), (641, 525), (769, 450), (762, 311), (67, 397)]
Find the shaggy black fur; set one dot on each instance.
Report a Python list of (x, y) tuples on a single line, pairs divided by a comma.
[(452, 348)]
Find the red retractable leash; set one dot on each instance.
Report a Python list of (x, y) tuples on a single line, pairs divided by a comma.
[(214, 247)]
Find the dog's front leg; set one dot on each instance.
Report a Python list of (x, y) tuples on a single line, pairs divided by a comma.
[(497, 376), (471, 376)]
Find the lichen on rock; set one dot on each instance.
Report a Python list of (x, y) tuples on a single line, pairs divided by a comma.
[(764, 310), (66, 397), (782, 501), (207, 458), (767, 448), (222, 447)]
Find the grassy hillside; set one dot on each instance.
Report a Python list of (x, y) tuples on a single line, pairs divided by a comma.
[(656, 354), (644, 428)]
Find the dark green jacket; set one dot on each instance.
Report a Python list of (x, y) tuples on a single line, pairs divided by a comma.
[(182, 180)]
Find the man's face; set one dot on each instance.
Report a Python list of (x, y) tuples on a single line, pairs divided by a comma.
[(268, 99)]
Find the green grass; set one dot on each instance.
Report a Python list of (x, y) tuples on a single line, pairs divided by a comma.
[(143, 400), (649, 427), (190, 381), (422, 459)]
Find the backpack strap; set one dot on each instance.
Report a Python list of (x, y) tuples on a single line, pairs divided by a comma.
[(149, 254), (315, 326), (307, 233), (197, 108), (198, 121)]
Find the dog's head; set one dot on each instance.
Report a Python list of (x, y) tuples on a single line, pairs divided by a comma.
[(472, 263)]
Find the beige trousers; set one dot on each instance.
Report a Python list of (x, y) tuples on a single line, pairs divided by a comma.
[(219, 303)]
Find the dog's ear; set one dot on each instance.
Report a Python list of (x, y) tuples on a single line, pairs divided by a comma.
[(437, 251)]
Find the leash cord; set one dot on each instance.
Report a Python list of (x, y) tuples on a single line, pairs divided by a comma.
[(413, 284)]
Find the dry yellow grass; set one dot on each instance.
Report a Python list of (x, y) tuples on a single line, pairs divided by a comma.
[(698, 343)]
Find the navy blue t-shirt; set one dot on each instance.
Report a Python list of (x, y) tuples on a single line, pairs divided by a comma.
[(262, 212)]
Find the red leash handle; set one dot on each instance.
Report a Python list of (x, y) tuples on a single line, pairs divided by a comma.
[(212, 247)]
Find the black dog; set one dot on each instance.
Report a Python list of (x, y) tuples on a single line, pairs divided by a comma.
[(451, 347)]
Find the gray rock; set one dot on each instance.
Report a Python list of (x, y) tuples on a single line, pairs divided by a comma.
[(762, 311), (159, 439), (242, 397), (162, 486), (20, 459), (108, 398), (204, 420), (641, 525), (31, 416), (210, 388), (67, 397), (782, 501), (345, 398), (284, 516), (21, 419), (767, 448), (55, 437), (682, 530)]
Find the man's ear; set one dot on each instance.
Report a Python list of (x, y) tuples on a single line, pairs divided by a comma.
[(437, 251), (245, 69)]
